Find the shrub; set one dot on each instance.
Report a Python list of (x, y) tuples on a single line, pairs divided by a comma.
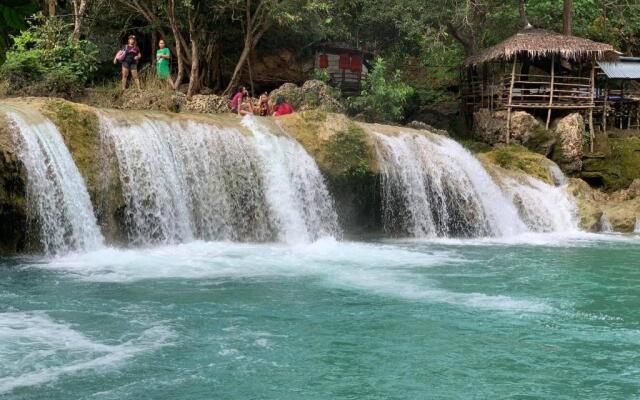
[(45, 61), (382, 98)]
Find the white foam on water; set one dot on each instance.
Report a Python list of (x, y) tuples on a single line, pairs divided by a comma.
[(533, 239), (384, 269), (57, 198), (35, 349)]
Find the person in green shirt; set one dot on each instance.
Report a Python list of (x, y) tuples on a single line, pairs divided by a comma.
[(163, 55)]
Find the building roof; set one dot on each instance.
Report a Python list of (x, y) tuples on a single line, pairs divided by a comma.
[(341, 47), (540, 43), (624, 68)]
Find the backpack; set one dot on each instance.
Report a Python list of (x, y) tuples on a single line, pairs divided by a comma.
[(120, 56)]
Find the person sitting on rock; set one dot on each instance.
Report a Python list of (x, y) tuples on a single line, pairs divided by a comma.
[(236, 101), (246, 107), (263, 108), (282, 107)]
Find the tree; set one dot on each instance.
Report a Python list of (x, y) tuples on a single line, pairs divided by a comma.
[(79, 9), (567, 17)]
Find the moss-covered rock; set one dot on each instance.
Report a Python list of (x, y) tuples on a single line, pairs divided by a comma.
[(346, 156), (518, 158), (616, 168)]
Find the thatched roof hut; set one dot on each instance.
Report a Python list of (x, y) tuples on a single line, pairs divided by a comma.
[(540, 43)]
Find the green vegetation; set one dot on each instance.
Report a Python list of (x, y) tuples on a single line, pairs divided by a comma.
[(46, 61), (383, 97), (12, 16), (617, 169), (348, 152), (219, 44)]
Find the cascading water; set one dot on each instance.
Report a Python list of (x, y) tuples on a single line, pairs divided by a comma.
[(432, 186), (543, 208), (185, 180), (605, 224), (301, 205), (58, 201), (637, 227)]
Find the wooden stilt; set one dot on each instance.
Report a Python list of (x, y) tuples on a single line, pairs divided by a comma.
[(591, 132), (606, 104), (513, 79), (553, 77)]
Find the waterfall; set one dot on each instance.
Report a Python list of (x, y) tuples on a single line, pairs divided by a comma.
[(57, 198), (432, 186), (605, 224), (185, 180), (637, 227), (543, 208), (295, 189)]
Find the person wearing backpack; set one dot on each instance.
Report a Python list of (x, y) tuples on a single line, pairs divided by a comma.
[(129, 56)]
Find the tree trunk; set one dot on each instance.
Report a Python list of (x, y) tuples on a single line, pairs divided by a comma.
[(235, 78), (467, 45), (79, 9), (523, 14), (52, 8), (176, 34), (567, 17), (193, 76)]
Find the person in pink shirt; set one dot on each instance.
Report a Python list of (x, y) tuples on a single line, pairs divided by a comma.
[(236, 101), (282, 107)]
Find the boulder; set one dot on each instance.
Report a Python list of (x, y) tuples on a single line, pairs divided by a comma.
[(313, 94), (634, 189), (491, 127), (621, 211), (570, 133)]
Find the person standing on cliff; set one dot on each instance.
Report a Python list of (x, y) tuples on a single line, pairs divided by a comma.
[(236, 101), (163, 55), (129, 57)]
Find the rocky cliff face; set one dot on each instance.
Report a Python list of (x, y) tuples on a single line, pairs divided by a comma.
[(621, 209), (13, 205)]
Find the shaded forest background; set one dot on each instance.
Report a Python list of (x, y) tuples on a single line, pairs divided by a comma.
[(60, 47)]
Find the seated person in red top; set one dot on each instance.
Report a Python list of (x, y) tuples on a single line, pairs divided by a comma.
[(282, 107), (237, 99)]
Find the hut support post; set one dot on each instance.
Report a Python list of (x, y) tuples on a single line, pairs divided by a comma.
[(553, 76), (591, 132), (513, 79), (606, 103)]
